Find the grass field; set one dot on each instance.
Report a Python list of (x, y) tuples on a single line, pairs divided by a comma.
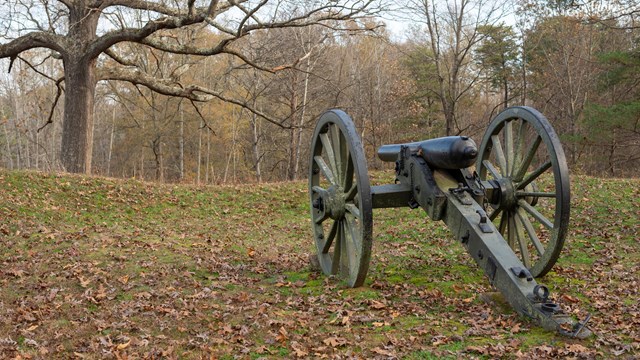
[(104, 268)]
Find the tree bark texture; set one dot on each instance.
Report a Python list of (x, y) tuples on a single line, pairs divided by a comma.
[(77, 133)]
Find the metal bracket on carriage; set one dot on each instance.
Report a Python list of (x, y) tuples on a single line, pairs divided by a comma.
[(522, 273), (461, 193), (557, 319), (484, 227), (569, 327)]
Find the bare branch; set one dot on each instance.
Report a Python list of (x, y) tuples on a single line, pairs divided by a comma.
[(186, 49), (249, 15), (248, 61), (119, 59), (136, 35), (34, 68), (204, 120), (31, 41), (55, 103), (172, 88), (67, 3), (154, 6)]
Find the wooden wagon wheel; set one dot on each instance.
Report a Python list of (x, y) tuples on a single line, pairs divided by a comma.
[(340, 197), (522, 155)]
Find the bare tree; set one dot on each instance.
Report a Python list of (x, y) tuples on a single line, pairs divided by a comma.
[(453, 31), (85, 34)]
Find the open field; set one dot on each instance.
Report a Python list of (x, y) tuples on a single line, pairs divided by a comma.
[(104, 268)]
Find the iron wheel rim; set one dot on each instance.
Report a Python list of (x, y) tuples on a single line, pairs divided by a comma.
[(522, 162), (338, 165)]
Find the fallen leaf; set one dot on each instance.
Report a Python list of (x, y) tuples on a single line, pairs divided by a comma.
[(283, 335), (124, 346), (377, 305), (384, 352), (298, 351), (570, 299), (335, 341), (477, 349), (84, 282)]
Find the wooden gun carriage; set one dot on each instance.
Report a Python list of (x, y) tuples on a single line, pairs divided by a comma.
[(510, 212)]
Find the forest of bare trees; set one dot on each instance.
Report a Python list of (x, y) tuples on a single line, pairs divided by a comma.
[(229, 91)]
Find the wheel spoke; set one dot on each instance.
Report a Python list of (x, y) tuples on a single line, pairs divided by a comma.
[(530, 231), (508, 144), (345, 256), (342, 158), (325, 169), (492, 169), (511, 236), (337, 249), (328, 148), (347, 181), (353, 210), (338, 145), (319, 217), (531, 152), (524, 251), (517, 157), (531, 210), (330, 237), (354, 245), (503, 222), (534, 175), (351, 193), (494, 214), (502, 162), (318, 190)]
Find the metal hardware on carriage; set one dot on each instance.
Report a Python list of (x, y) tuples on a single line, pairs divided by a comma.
[(491, 210)]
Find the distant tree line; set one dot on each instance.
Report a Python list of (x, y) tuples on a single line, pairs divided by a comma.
[(164, 109)]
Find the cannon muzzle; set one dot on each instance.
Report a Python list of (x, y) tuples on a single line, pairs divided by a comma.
[(451, 152)]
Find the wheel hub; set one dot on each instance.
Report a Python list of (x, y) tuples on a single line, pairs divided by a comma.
[(332, 202), (507, 194)]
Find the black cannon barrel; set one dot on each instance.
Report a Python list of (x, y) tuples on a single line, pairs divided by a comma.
[(451, 152)]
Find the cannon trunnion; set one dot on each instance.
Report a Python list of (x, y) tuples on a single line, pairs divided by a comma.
[(510, 213)]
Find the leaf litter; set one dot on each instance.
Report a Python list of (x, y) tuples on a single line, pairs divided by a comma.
[(121, 269)]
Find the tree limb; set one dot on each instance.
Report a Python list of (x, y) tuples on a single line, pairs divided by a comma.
[(119, 59), (31, 41), (154, 6), (137, 34), (172, 88), (204, 120), (55, 103)]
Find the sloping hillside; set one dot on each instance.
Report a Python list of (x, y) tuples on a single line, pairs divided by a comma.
[(104, 268)]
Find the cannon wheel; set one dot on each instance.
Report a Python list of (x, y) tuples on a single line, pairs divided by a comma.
[(340, 196), (521, 155)]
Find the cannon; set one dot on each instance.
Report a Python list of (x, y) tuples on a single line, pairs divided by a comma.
[(507, 202)]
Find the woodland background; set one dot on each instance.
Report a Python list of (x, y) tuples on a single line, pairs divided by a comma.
[(453, 70)]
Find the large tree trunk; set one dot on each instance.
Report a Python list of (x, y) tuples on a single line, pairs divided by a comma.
[(77, 130), (80, 86)]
